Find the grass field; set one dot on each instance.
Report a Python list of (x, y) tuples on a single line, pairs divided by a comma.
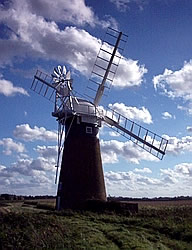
[(158, 225)]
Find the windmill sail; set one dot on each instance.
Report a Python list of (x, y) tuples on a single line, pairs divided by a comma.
[(42, 84), (151, 142), (105, 65)]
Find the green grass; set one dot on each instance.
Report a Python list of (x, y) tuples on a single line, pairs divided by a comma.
[(152, 228)]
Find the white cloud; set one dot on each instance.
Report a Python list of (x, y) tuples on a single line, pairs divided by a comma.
[(22, 166), (75, 11), (131, 184), (8, 89), (25, 132), (184, 168), (172, 182), (40, 178), (3, 173), (12, 48), (109, 156), (26, 175), (187, 108), (114, 134), (35, 36), (177, 146), (30, 176), (129, 74), (123, 5), (180, 175), (176, 84), (189, 128), (143, 170), (44, 38), (2, 167), (28, 172), (113, 149), (42, 164), (11, 146), (133, 113), (166, 115), (47, 152), (23, 155), (37, 184)]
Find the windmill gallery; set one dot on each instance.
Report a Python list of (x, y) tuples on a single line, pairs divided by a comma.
[(81, 175)]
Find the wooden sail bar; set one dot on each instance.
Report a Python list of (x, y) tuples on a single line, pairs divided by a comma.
[(151, 142), (106, 65)]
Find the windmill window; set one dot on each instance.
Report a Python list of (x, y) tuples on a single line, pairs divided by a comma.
[(89, 130)]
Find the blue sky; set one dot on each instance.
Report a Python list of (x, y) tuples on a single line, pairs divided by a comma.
[(153, 87)]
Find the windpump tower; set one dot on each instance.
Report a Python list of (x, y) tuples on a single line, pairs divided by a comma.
[(79, 119)]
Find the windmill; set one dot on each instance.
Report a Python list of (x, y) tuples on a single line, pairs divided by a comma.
[(79, 119)]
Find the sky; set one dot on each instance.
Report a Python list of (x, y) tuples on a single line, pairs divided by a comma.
[(152, 86)]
